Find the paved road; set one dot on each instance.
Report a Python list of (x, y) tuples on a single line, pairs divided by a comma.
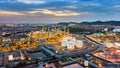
[(101, 47)]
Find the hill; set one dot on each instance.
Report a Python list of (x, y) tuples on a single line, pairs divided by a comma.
[(116, 23)]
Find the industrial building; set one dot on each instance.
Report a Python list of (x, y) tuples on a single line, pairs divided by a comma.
[(72, 43)]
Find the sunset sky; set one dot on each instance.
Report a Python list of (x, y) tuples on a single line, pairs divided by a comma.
[(54, 11)]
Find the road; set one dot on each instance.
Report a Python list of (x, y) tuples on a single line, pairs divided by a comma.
[(90, 49), (101, 47)]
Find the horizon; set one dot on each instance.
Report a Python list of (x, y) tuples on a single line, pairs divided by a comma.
[(59, 22), (55, 11)]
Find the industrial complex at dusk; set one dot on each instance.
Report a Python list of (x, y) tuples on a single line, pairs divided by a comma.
[(59, 34)]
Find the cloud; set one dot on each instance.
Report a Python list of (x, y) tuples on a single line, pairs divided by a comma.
[(116, 6), (39, 12), (28, 5), (87, 0), (71, 7), (32, 1), (94, 4), (10, 13), (58, 13), (58, 9)]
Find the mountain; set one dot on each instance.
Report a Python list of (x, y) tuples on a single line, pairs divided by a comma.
[(67, 23), (116, 23)]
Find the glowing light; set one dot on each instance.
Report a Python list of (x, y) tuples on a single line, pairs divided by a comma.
[(10, 57)]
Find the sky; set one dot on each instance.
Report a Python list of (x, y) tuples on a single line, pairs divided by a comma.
[(54, 11)]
